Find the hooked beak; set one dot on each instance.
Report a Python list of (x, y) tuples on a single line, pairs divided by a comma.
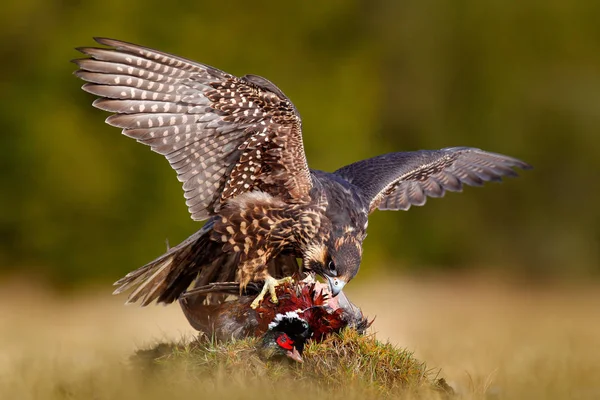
[(335, 285), (295, 355)]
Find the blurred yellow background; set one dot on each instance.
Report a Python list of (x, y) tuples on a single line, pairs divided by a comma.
[(80, 202)]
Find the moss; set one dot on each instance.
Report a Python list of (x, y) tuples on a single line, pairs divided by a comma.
[(343, 365)]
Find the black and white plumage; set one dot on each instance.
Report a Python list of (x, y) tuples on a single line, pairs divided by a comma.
[(236, 145)]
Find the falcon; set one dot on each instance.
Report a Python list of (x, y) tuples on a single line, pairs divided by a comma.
[(236, 146)]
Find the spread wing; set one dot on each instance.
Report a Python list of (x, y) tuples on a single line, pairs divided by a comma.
[(396, 181), (223, 135)]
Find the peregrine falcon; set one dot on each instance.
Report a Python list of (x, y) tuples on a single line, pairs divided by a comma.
[(236, 145)]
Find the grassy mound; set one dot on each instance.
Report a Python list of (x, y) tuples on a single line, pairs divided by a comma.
[(343, 366)]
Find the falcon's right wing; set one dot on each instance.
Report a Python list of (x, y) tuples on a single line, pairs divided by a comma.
[(395, 181), (223, 135)]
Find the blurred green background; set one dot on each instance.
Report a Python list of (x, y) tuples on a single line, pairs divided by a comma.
[(79, 201)]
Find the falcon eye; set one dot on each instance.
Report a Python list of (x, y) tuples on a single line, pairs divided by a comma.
[(331, 266)]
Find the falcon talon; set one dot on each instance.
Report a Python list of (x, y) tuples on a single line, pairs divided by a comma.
[(287, 279), (269, 286), (236, 145)]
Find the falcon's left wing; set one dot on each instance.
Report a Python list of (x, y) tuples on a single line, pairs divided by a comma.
[(395, 181)]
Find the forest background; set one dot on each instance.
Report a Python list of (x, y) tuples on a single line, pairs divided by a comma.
[(82, 203)]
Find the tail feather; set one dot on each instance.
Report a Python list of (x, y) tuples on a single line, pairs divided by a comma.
[(133, 278), (165, 278), (152, 286)]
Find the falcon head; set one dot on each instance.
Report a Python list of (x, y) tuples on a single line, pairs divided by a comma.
[(337, 260), (286, 337)]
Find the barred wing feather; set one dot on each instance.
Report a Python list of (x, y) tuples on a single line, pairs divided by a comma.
[(223, 135), (397, 181)]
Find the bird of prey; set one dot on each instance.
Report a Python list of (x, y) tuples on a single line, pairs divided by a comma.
[(236, 145)]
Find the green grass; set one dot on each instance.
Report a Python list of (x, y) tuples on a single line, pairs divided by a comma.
[(343, 365)]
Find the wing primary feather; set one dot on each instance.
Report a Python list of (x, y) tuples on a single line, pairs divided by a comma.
[(395, 181), (200, 118)]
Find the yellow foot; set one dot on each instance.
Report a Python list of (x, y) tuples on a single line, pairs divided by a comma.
[(269, 286)]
